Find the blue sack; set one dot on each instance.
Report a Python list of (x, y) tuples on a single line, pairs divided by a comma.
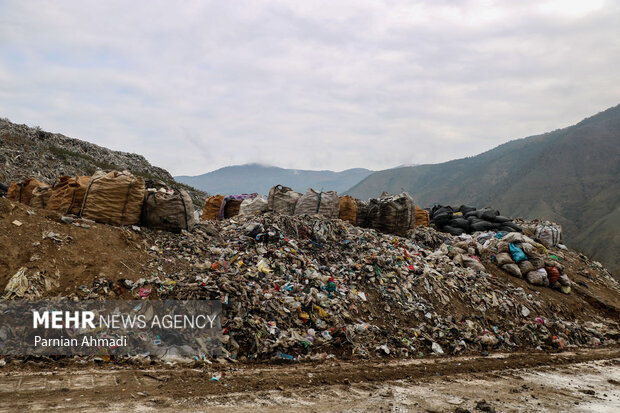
[(517, 253)]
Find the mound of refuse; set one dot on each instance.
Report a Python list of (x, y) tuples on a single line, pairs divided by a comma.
[(310, 287)]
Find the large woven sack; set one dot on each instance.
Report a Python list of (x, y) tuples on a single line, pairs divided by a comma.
[(549, 234), (362, 213), (40, 196), (68, 194), (422, 217), (282, 199), (22, 191), (253, 206), (211, 208), (392, 214), (170, 210), (312, 202), (231, 208), (114, 198), (348, 209)]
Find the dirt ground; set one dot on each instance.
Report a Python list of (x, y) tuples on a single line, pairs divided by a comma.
[(585, 380)]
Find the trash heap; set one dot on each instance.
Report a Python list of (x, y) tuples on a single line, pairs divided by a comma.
[(298, 287), (467, 219), (307, 287)]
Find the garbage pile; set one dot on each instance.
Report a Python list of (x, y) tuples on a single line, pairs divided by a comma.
[(305, 287), (467, 219), (300, 287)]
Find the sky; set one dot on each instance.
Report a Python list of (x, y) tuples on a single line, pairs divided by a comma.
[(198, 85)]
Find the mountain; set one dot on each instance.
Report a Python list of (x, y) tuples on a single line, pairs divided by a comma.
[(249, 178), (31, 152), (570, 175)]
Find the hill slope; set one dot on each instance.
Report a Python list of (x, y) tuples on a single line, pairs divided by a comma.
[(31, 152), (251, 178), (571, 176)]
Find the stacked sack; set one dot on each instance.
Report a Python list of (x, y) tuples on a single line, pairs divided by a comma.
[(23, 191), (283, 199), (468, 219), (390, 214), (326, 204), (523, 257), (167, 209), (114, 198)]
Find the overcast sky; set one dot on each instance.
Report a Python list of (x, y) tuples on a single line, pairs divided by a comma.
[(197, 85)]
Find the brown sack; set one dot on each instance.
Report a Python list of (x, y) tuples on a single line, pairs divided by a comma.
[(40, 196), (71, 202), (114, 198), (282, 199), (211, 209), (170, 210), (422, 217), (22, 191), (68, 194), (312, 202), (232, 208), (348, 209)]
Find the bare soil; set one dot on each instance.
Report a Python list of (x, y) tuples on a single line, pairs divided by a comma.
[(581, 380)]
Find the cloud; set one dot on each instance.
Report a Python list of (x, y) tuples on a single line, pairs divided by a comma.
[(196, 85)]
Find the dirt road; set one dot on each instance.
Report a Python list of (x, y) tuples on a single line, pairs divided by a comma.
[(581, 380)]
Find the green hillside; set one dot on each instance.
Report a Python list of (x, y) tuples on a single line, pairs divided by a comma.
[(571, 176)]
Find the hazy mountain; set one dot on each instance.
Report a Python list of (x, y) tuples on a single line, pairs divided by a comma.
[(570, 175), (251, 178)]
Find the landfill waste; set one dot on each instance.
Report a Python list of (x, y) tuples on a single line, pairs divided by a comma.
[(467, 219), (27, 152), (307, 287)]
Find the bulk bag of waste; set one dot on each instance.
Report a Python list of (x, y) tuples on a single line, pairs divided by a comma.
[(211, 208), (114, 198), (40, 196), (312, 202), (549, 234), (422, 217), (392, 214), (231, 204), (348, 209), (362, 213), (22, 191), (253, 206), (168, 209), (68, 194), (282, 199)]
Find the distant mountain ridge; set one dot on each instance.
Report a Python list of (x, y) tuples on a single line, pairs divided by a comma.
[(259, 178), (570, 175)]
